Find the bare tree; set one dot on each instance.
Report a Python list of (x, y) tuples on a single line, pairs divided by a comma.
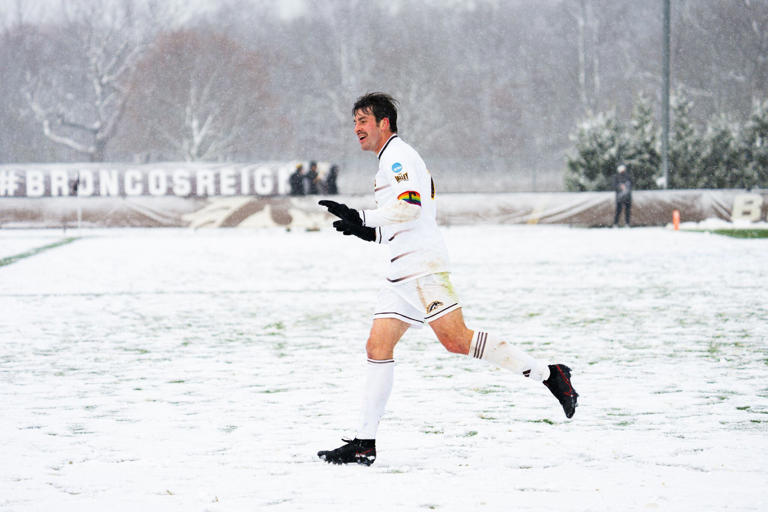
[(21, 42), (722, 53), (337, 51), (588, 57), (199, 97), (80, 100)]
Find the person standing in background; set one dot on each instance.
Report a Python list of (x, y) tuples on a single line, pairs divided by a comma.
[(622, 185), (330, 181), (296, 180), (311, 179)]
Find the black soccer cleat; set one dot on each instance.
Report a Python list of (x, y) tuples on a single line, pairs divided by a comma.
[(559, 383), (355, 451)]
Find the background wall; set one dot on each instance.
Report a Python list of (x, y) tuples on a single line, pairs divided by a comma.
[(650, 208)]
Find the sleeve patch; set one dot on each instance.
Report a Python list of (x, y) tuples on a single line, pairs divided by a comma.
[(411, 197)]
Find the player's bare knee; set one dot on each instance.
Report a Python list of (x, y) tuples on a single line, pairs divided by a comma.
[(371, 348), (377, 350)]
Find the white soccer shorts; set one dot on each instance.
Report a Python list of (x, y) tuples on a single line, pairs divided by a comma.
[(418, 301)]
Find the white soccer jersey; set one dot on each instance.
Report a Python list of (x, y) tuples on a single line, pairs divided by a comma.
[(406, 214)]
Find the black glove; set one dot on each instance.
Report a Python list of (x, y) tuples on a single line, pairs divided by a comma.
[(360, 231), (350, 223), (342, 211)]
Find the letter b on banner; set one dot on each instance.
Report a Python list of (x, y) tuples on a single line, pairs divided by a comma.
[(747, 207), (35, 184)]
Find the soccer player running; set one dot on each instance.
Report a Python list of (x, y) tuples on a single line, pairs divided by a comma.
[(419, 289)]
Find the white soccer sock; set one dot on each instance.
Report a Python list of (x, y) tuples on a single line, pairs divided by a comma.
[(488, 347), (378, 386)]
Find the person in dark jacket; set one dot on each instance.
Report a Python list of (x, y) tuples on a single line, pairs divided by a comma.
[(622, 184), (296, 181), (312, 178), (330, 181)]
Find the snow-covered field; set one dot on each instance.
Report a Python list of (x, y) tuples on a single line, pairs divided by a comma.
[(177, 370)]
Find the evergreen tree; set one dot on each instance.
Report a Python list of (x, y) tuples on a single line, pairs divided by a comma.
[(720, 163), (725, 156), (754, 145), (684, 145), (600, 145), (643, 152)]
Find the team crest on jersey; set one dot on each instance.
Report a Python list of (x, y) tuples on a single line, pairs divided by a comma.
[(397, 167), (436, 304), (401, 177)]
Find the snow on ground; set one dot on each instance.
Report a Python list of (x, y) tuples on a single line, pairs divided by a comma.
[(178, 370)]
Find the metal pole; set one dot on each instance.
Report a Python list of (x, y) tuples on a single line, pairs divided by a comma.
[(665, 97)]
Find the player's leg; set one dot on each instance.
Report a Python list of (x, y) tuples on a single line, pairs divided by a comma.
[(380, 371), (556, 377), (435, 292), (380, 368), (456, 337), (447, 321), (443, 313), (392, 319)]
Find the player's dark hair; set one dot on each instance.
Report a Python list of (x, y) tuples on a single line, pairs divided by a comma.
[(379, 104)]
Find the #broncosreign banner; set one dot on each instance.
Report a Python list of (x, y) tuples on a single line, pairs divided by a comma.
[(118, 180)]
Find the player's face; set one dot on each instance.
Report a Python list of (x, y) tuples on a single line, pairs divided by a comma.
[(369, 133)]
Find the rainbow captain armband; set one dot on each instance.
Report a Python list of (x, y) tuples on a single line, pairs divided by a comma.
[(411, 197)]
